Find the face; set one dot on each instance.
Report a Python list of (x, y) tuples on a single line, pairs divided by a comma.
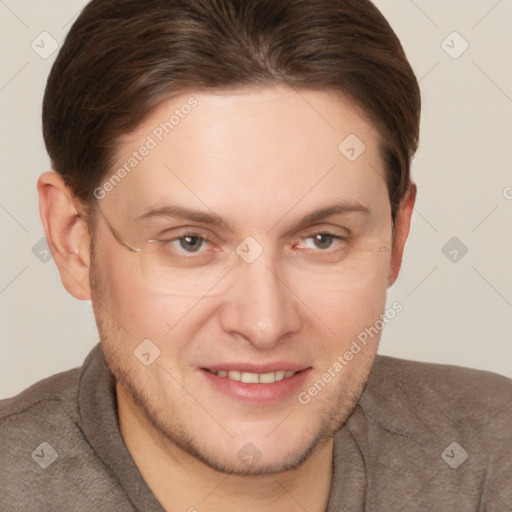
[(252, 249)]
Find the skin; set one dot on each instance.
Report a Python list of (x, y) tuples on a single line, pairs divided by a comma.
[(260, 158)]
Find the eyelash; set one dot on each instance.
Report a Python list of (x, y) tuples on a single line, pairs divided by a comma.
[(192, 234)]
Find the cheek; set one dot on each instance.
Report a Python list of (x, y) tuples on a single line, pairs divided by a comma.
[(344, 314), (125, 297), (147, 315), (358, 294)]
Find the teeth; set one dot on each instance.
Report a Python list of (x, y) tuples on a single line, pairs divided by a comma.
[(249, 378), (280, 375), (255, 378), (267, 378), (234, 375)]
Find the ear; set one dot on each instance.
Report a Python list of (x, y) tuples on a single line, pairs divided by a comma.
[(66, 232), (402, 225)]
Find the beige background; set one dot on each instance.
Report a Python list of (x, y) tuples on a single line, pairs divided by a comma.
[(453, 312)]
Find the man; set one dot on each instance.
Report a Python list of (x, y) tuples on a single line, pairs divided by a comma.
[(231, 189)]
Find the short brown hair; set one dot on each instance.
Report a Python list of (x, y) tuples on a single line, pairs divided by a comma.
[(122, 58)]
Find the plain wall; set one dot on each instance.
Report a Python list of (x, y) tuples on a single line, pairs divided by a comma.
[(455, 312)]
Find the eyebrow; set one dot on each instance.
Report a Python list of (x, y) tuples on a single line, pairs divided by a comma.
[(181, 212), (341, 207)]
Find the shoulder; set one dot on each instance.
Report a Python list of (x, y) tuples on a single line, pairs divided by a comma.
[(29, 420), (435, 403), (48, 461), (442, 381), (59, 389), (445, 429), (447, 394), (32, 424)]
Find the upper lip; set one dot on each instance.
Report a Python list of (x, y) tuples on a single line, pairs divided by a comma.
[(257, 368)]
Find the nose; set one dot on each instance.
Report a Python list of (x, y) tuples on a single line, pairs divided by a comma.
[(260, 307)]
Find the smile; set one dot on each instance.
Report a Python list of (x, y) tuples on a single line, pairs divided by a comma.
[(254, 378), (264, 385)]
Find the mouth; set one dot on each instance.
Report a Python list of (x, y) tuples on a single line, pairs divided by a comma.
[(254, 378), (257, 385)]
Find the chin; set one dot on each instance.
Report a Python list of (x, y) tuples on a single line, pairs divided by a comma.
[(251, 449), (249, 459)]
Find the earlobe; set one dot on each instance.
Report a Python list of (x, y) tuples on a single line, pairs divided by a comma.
[(66, 232), (402, 226)]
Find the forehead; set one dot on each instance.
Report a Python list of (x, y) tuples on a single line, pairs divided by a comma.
[(259, 149)]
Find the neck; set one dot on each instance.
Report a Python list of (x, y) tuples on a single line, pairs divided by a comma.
[(182, 482)]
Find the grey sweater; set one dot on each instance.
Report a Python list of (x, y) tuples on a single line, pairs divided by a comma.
[(424, 437)]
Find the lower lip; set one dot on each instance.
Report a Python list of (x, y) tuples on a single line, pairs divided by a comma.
[(257, 394)]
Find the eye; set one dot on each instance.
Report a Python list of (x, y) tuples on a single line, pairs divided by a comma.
[(184, 243), (189, 242), (322, 240)]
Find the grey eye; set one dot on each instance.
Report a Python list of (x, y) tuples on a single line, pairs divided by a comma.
[(191, 243), (322, 240)]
